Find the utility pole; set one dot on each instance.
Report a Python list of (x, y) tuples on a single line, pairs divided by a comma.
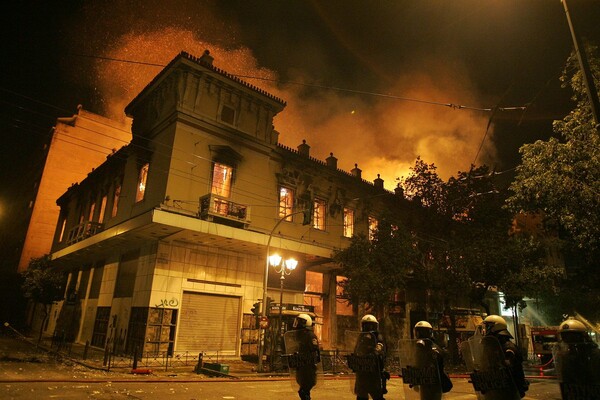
[(585, 70)]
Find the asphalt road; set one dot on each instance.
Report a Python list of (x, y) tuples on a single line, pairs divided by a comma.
[(30, 374), (242, 389)]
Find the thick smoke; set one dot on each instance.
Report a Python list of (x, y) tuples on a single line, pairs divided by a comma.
[(382, 135)]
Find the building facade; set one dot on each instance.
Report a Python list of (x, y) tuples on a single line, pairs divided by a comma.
[(78, 145), (166, 242)]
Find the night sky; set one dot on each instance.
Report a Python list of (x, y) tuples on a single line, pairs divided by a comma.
[(370, 81)]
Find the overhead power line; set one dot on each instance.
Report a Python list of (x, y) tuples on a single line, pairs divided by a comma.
[(333, 88)]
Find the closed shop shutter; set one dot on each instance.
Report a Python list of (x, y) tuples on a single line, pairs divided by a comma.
[(209, 323)]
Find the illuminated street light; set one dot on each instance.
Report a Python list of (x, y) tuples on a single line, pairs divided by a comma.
[(261, 342), (284, 268)]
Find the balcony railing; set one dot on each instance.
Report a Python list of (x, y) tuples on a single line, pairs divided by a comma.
[(83, 231), (216, 207)]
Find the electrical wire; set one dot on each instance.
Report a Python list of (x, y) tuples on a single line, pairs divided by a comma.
[(325, 87), (251, 179)]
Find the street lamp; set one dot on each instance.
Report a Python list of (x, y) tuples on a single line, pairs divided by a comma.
[(261, 342), (284, 268)]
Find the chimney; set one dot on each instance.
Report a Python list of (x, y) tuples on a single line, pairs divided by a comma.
[(304, 149), (331, 161), (356, 171), (399, 191), (207, 58), (378, 182)]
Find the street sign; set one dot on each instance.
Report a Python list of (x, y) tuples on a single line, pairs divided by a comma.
[(263, 322)]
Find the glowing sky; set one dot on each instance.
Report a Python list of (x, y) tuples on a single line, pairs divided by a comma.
[(382, 135), (465, 52)]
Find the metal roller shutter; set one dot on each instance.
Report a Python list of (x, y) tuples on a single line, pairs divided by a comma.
[(209, 323)]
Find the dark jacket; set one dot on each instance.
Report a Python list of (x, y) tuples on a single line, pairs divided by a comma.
[(514, 361)]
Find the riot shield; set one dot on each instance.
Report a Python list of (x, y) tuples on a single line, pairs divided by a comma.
[(420, 371), (489, 374), (303, 363), (577, 367), (365, 363)]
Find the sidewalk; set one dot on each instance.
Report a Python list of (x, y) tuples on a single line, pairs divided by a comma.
[(17, 350)]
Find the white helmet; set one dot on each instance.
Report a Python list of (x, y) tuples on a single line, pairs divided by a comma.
[(369, 323), (423, 330), (302, 321), (573, 331), (496, 325)]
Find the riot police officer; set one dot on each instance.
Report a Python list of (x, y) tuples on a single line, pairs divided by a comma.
[(424, 331), (573, 332), (495, 325), (577, 361), (308, 349), (371, 383)]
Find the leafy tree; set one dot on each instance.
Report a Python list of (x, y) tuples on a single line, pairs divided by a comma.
[(424, 185), (561, 178), (473, 252), (43, 285), (376, 269)]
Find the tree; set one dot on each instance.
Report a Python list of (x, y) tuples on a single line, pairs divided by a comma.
[(472, 251), (560, 178), (43, 285), (376, 269)]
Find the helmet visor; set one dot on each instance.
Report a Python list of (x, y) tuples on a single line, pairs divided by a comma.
[(423, 332), (488, 327), (369, 326), (299, 323)]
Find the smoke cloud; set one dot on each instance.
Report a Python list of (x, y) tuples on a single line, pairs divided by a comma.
[(382, 135)]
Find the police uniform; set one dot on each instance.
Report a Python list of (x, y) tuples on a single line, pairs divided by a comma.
[(308, 348)]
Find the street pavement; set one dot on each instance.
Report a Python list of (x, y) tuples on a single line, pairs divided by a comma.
[(27, 372), (242, 389)]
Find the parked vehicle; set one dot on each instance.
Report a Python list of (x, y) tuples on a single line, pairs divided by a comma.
[(543, 339)]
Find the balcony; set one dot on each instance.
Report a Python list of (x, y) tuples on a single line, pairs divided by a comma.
[(83, 231), (220, 209)]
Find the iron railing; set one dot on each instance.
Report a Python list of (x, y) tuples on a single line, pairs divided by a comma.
[(213, 206), (83, 231)]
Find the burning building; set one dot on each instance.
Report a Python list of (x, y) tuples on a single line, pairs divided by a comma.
[(173, 259)]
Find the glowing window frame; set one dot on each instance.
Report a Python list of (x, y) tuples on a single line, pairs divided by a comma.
[(140, 192), (348, 222)]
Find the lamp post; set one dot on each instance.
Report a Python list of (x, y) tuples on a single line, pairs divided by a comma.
[(283, 267), (261, 343)]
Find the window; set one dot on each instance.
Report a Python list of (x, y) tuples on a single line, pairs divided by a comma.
[(115, 206), (141, 187), (348, 222), (102, 209), (101, 326), (91, 213), (319, 215), (228, 115), (62, 229), (286, 203), (342, 303), (373, 223), (221, 180)]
